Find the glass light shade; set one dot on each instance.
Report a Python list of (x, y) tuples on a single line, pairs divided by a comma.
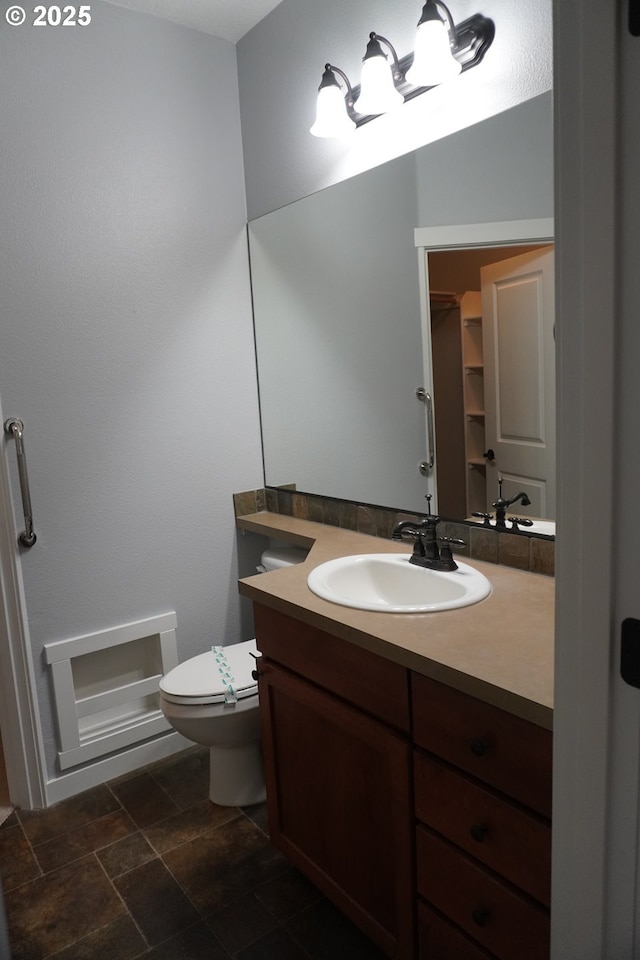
[(433, 62), (377, 92), (332, 119)]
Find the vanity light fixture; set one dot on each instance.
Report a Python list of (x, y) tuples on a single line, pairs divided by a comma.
[(442, 51), (332, 119), (378, 92), (433, 59)]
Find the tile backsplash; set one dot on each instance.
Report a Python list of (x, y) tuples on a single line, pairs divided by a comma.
[(521, 550)]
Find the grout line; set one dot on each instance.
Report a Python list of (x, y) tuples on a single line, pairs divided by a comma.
[(33, 854), (122, 901)]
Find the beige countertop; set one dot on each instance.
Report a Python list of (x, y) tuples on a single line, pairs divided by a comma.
[(500, 650)]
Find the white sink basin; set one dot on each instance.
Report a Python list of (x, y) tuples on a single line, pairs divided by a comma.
[(388, 583)]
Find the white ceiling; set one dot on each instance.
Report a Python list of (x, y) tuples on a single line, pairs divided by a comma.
[(229, 19)]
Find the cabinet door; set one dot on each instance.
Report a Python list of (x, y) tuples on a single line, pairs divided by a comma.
[(338, 796)]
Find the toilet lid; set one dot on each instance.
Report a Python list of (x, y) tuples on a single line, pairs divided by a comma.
[(213, 677)]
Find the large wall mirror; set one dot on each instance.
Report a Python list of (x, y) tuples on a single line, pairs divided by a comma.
[(356, 319)]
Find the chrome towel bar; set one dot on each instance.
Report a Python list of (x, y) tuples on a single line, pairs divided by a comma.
[(16, 427)]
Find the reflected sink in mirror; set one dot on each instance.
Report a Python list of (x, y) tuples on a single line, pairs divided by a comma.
[(545, 528), (388, 583)]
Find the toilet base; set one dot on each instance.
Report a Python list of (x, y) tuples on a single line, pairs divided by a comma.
[(236, 777)]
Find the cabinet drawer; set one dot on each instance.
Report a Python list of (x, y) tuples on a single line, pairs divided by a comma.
[(511, 841), (505, 751), (368, 681), (505, 923), (439, 940)]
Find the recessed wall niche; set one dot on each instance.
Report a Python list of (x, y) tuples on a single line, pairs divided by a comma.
[(106, 687)]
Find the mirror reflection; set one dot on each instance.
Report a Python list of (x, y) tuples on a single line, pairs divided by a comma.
[(492, 317), (345, 345)]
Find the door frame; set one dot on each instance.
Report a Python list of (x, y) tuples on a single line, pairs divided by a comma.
[(19, 715), (499, 233), (597, 717)]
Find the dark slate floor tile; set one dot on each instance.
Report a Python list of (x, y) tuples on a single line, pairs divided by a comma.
[(224, 863), (155, 901), (241, 923), (49, 914), (120, 940), (144, 800), (288, 893), (43, 825), (277, 945), (188, 824), (87, 839), (125, 855), (185, 778), (195, 943), (258, 813), (325, 933), (17, 863)]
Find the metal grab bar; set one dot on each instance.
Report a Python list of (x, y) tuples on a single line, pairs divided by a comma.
[(16, 427), (427, 465)]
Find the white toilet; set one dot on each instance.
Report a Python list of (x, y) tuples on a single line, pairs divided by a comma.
[(212, 699)]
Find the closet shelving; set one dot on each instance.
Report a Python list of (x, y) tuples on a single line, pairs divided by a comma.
[(470, 304)]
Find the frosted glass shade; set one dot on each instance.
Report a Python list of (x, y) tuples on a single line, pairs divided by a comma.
[(332, 119), (433, 62), (377, 92)]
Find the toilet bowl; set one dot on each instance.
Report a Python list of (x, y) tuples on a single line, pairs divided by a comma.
[(212, 699)]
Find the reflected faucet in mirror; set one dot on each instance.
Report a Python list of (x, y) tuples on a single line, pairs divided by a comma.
[(501, 505)]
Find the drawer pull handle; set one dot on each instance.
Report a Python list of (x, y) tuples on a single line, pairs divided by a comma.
[(479, 747), (480, 916), (479, 832)]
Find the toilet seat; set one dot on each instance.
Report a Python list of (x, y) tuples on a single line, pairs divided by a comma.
[(200, 680)]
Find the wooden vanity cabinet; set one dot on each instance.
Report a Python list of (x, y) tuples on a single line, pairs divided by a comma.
[(337, 753), (482, 781), (421, 812)]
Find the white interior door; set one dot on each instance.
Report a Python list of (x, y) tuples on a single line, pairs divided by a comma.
[(518, 331)]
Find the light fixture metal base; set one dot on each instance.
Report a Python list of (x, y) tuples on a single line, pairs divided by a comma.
[(473, 37)]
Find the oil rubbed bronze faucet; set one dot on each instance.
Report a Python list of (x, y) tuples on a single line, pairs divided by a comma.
[(426, 550), (501, 505)]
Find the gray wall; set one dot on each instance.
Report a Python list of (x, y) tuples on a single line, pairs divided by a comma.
[(280, 64), (126, 332), (500, 169)]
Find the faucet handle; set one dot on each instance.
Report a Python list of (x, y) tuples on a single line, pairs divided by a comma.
[(408, 527), (519, 521), (487, 517), (446, 561)]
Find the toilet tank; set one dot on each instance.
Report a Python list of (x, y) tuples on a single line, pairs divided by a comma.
[(281, 555)]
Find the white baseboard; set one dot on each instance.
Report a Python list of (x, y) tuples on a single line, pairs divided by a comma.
[(76, 781)]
